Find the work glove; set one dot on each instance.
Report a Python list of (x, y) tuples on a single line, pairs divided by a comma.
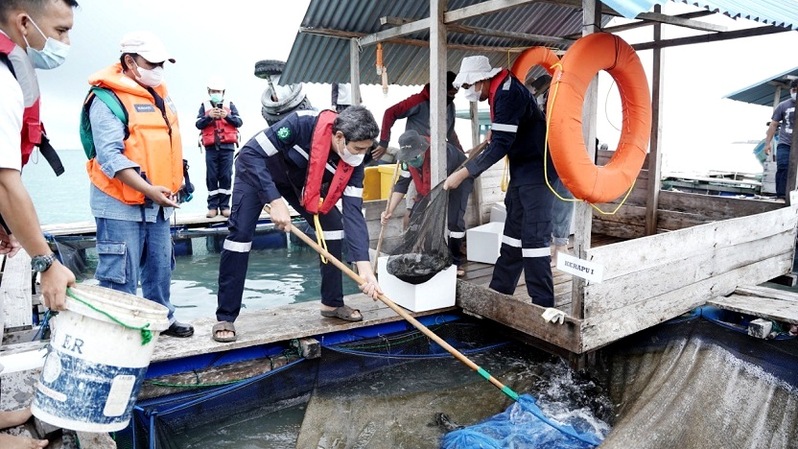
[(553, 315)]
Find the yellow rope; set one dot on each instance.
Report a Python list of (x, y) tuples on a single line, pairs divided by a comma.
[(505, 182), (320, 233), (549, 108)]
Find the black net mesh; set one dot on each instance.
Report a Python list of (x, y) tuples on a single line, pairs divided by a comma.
[(423, 251), (267, 411)]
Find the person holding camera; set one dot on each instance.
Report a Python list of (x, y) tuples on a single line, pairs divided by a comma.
[(136, 175), (218, 122)]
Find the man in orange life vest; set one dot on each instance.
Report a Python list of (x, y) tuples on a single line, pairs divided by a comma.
[(311, 160), (136, 174), (518, 131), (218, 122), (414, 156), (33, 34)]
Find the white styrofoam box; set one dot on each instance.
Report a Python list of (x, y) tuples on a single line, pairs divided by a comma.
[(498, 212), (485, 242), (436, 293)]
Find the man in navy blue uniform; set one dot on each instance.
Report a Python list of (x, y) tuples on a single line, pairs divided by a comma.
[(310, 160), (518, 130)]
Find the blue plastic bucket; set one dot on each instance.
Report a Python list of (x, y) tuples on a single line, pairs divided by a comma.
[(100, 349)]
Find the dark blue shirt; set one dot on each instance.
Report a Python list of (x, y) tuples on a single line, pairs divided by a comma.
[(290, 139)]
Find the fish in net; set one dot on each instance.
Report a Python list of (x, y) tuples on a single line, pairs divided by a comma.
[(423, 250)]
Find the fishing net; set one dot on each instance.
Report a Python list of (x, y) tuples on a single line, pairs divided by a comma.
[(423, 250)]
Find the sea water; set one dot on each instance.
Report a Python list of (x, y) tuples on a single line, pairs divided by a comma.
[(275, 277)]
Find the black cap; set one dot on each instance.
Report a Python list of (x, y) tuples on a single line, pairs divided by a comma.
[(411, 144)]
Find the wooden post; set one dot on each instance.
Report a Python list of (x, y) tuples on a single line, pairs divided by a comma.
[(583, 216), (654, 159), (354, 69), (437, 100)]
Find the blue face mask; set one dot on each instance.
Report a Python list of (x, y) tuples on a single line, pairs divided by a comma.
[(216, 98), (51, 56), (416, 162)]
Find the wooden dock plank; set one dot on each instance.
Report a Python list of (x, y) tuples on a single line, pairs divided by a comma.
[(773, 309), (275, 325)]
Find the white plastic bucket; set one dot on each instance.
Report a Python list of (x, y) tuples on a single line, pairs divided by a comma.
[(95, 367)]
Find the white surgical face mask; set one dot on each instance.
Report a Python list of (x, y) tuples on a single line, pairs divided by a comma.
[(351, 158), (51, 56), (472, 94), (150, 77), (792, 94)]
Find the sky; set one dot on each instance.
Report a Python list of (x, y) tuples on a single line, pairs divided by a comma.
[(210, 38)]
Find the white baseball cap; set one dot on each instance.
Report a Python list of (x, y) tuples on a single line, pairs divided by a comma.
[(146, 45), (473, 69)]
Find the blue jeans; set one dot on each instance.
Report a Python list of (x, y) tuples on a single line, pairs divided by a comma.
[(561, 213), (130, 252), (782, 167)]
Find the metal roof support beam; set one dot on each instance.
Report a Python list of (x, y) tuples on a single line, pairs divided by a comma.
[(446, 18), (401, 30), (415, 42), (759, 31), (437, 92), (480, 9), (678, 21), (511, 35), (643, 23)]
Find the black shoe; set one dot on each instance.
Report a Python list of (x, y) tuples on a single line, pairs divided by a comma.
[(180, 330)]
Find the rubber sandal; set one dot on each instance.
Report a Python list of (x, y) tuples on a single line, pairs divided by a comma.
[(223, 326), (344, 313)]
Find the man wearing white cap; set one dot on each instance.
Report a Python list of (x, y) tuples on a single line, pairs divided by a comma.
[(518, 131), (136, 172)]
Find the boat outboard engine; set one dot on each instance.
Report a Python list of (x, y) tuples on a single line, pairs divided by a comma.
[(279, 101)]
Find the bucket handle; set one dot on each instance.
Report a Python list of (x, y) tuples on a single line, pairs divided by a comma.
[(146, 334)]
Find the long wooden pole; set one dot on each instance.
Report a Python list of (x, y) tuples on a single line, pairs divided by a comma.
[(382, 225), (401, 312)]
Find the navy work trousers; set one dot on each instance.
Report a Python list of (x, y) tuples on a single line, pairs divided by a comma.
[(218, 176), (525, 244)]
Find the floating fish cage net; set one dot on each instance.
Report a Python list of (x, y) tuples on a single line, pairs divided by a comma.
[(423, 250), (174, 421)]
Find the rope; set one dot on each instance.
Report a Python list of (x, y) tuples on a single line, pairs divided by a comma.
[(549, 108), (146, 333), (320, 233)]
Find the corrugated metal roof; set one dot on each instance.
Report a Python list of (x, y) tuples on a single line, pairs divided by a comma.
[(782, 13), (323, 59), (763, 92)]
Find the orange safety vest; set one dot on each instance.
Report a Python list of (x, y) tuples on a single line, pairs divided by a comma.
[(154, 142), (495, 82), (23, 71), (320, 149), (219, 127)]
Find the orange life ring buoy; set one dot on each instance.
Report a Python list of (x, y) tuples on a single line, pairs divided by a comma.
[(588, 55), (531, 57)]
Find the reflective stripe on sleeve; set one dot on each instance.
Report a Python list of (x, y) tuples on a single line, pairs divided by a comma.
[(265, 144), (353, 191), (333, 235), (503, 127)]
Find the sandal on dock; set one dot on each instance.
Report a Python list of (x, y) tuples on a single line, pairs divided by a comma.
[(223, 326), (345, 313)]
